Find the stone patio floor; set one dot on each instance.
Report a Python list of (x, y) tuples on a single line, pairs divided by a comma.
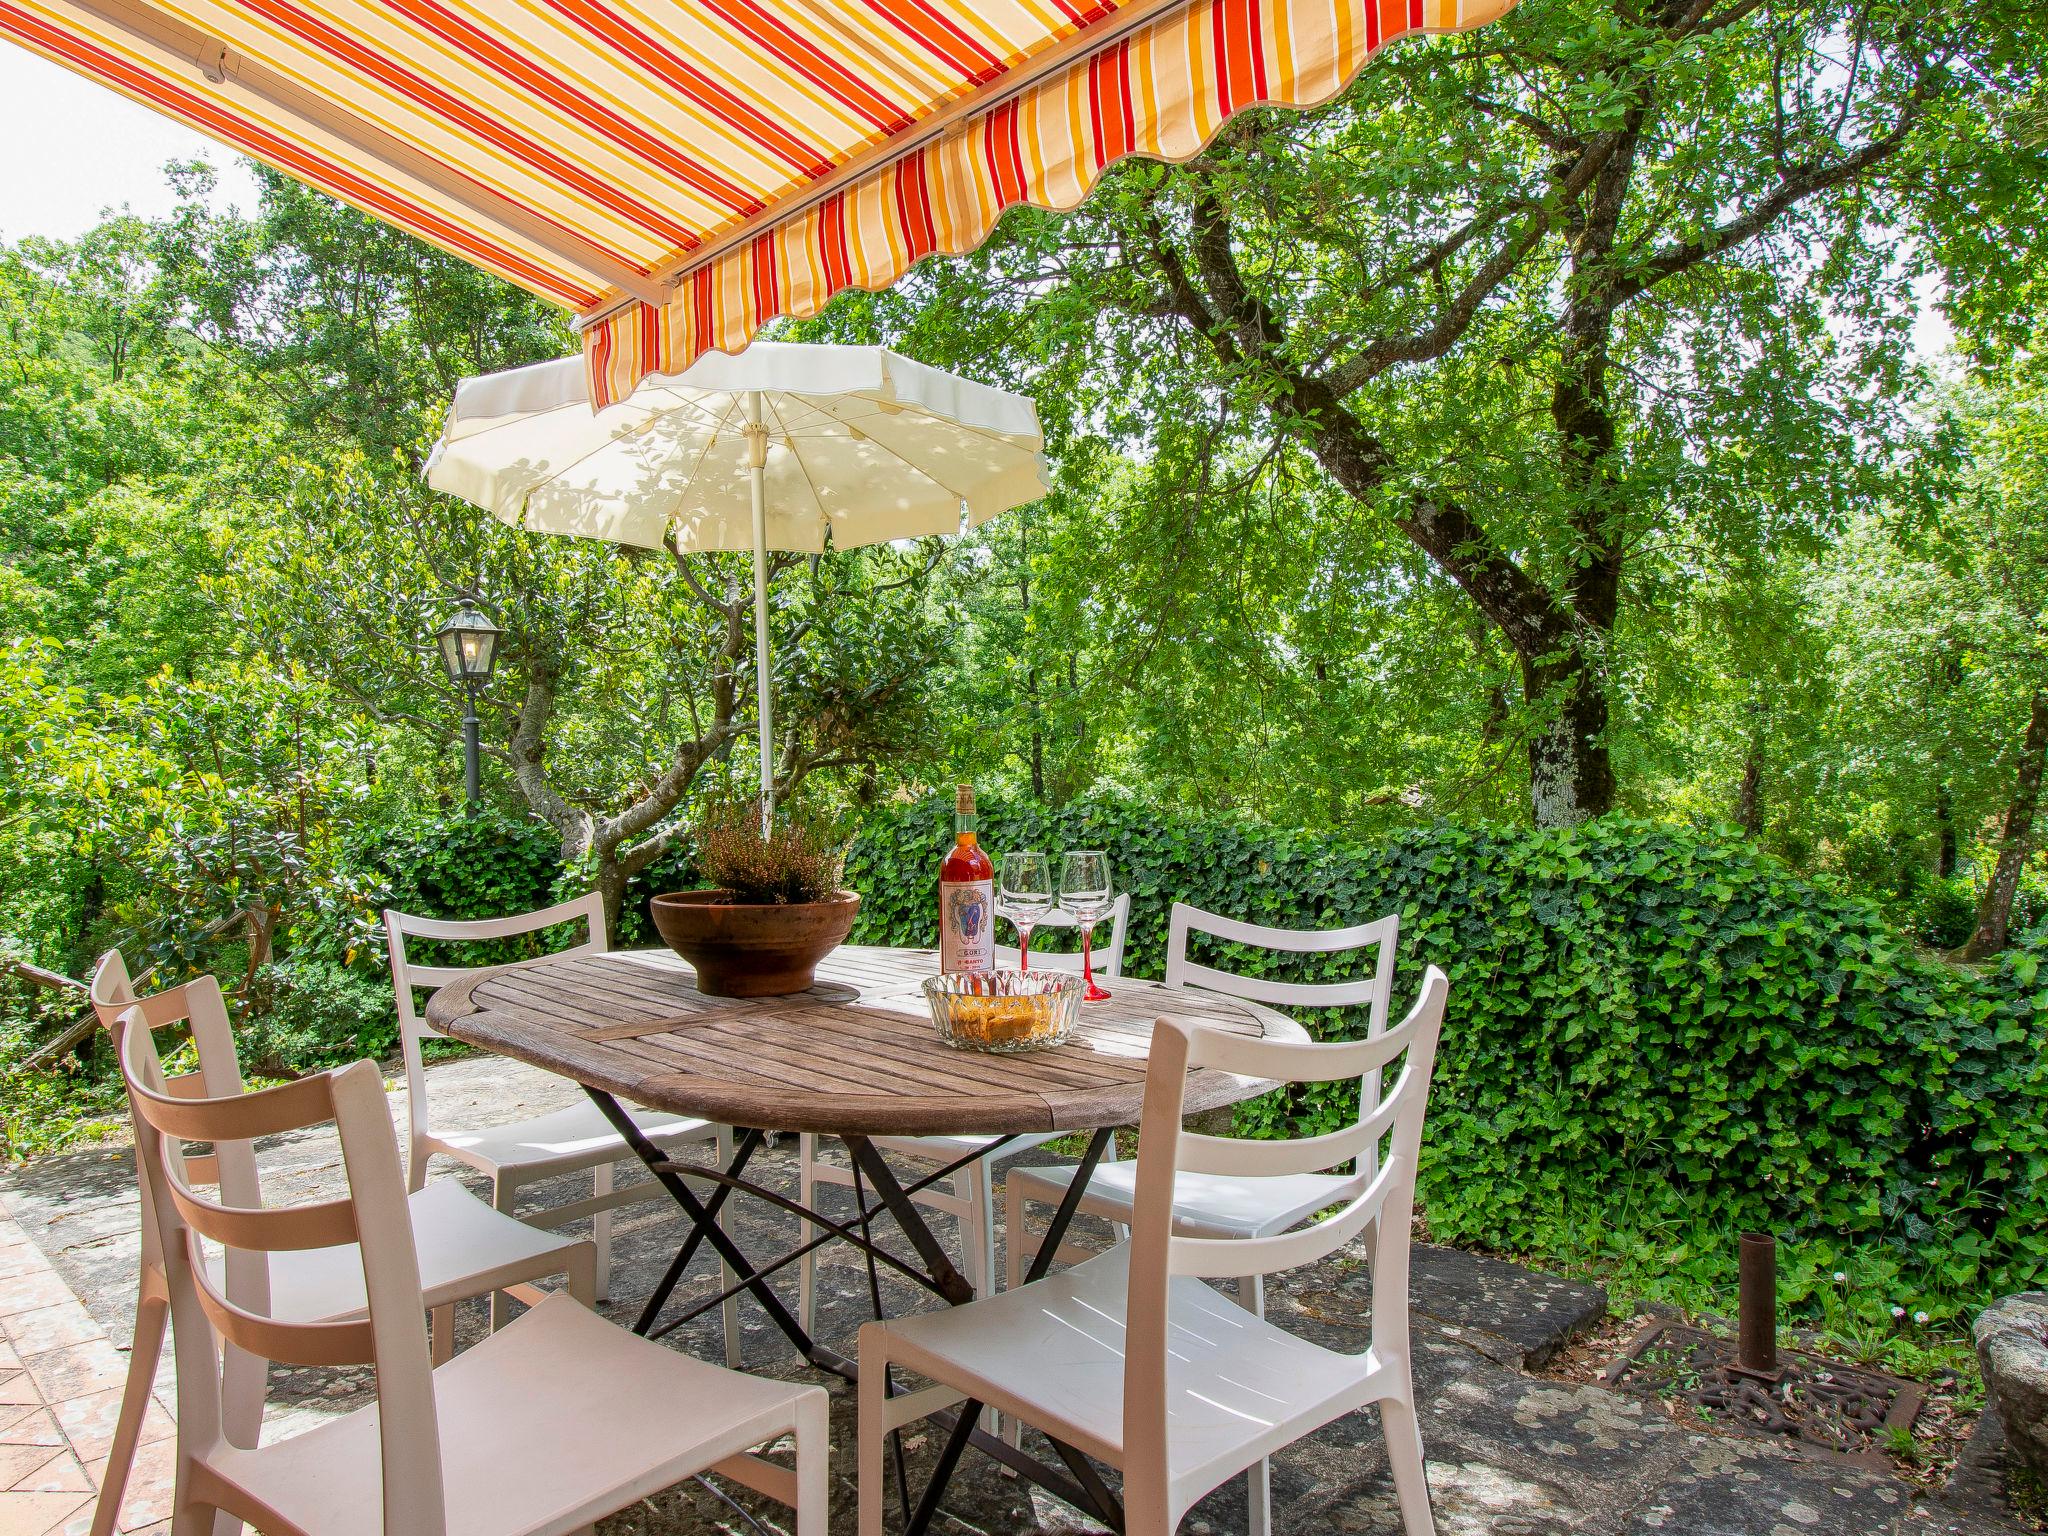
[(1509, 1453)]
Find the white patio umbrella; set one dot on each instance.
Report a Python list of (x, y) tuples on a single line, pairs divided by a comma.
[(783, 447)]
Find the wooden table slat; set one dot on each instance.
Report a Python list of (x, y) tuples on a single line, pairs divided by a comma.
[(856, 1055)]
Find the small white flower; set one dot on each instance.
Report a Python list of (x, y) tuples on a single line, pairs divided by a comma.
[(1841, 1278), (1920, 1318), (1898, 1314)]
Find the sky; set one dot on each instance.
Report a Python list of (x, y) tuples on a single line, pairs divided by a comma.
[(70, 149)]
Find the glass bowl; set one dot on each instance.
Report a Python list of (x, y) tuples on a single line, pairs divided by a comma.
[(1005, 1012)]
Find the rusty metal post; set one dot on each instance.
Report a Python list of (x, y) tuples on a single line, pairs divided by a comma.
[(1756, 1325)]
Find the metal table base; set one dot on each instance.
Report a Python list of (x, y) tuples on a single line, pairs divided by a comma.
[(1079, 1484)]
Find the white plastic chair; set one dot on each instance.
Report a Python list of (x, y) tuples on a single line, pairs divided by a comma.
[(971, 1200), (548, 1425), (522, 1152), (1211, 1205), (465, 1248), (1131, 1360)]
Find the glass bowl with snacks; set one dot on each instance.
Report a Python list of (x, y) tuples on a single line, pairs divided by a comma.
[(1005, 1011)]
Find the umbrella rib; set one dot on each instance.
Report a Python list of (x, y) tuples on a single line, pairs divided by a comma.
[(719, 422), (769, 403)]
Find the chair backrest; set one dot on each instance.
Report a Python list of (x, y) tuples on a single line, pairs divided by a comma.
[(1379, 1193), (1375, 992), (408, 979), (201, 1010), (373, 1215), (1109, 953)]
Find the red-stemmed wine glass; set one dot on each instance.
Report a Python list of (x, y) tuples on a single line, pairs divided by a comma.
[(1087, 896)]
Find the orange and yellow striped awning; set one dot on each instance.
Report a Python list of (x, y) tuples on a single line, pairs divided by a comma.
[(681, 171)]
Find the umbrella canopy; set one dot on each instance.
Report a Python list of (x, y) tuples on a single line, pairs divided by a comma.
[(784, 447)]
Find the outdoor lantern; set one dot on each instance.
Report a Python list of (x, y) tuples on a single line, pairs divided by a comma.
[(469, 649), (469, 645)]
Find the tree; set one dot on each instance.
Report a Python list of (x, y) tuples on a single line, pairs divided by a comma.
[(623, 675), (1579, 305), (2013, 569)]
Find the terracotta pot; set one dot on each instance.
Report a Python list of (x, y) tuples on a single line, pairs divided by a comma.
[(748, 950)]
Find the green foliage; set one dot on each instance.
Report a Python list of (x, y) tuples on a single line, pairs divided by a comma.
[(309, 1013), (1647, 1023)]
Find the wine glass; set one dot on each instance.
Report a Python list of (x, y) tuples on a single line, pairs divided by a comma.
[(1024, 895), (1087, 896)]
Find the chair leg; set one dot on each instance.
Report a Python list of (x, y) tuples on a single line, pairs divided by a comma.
[(244, 1380), (807, 1266), (1259, 1497), (151, 1315), (1018, 1248), (1404, 1460), (975, 1186), (1251, 1294), (729, 1314), (813, 1466), (504, 1196), (874, 1437), (601, 1230), (442, 1338), (977, 1230)]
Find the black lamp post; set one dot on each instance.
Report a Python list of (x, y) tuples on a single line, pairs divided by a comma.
[(469, 649)]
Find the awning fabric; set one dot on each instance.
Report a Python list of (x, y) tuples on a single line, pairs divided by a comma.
[(682, 171)]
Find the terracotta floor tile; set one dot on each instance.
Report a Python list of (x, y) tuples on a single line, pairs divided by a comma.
[(25, 1260), (89, 1422), (37, 1428), (18, 1462), (12, 1414), (25, 1293), (152, 1482), (62, 1473), (18, 1387), (47, 1328), (31, 1514), (78, 1370)]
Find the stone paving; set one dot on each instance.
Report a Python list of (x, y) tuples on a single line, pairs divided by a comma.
[(1509, 1453)]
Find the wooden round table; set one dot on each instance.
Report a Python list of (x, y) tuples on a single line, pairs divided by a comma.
[(855, 1055)]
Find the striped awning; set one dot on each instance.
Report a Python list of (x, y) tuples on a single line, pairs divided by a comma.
[(681, 171)]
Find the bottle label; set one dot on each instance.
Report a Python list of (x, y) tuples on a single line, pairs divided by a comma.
[(967, 927)]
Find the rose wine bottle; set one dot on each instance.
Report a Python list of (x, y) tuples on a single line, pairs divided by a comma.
[(967, 896)]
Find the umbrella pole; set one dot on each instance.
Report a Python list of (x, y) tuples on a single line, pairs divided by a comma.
[(757, 467)]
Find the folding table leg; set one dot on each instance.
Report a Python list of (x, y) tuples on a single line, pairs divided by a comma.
[(700, 1220), (1096, 1493)]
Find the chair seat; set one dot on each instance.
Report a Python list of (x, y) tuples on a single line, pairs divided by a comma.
[(464, 1247), (1204, 1204), (551, 1423), (1237, 1386), (564, 1140)]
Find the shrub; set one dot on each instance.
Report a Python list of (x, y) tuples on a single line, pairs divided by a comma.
[(796, 860), (1643, 1019), (308, 1014)]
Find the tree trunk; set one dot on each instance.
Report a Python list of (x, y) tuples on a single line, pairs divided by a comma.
[(1571, 776), (1994, 912), (1749, 807), (1944, 833)]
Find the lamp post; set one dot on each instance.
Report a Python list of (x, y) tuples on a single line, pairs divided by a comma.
[(469, 649)]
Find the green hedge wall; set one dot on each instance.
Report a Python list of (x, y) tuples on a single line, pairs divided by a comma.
[(1642, 1017)]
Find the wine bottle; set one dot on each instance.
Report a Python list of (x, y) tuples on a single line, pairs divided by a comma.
[(967, 896)]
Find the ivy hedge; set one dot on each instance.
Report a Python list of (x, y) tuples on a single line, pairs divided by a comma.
[(1642, 1016)]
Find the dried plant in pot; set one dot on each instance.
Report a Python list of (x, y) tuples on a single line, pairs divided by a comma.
[(774, 908)]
